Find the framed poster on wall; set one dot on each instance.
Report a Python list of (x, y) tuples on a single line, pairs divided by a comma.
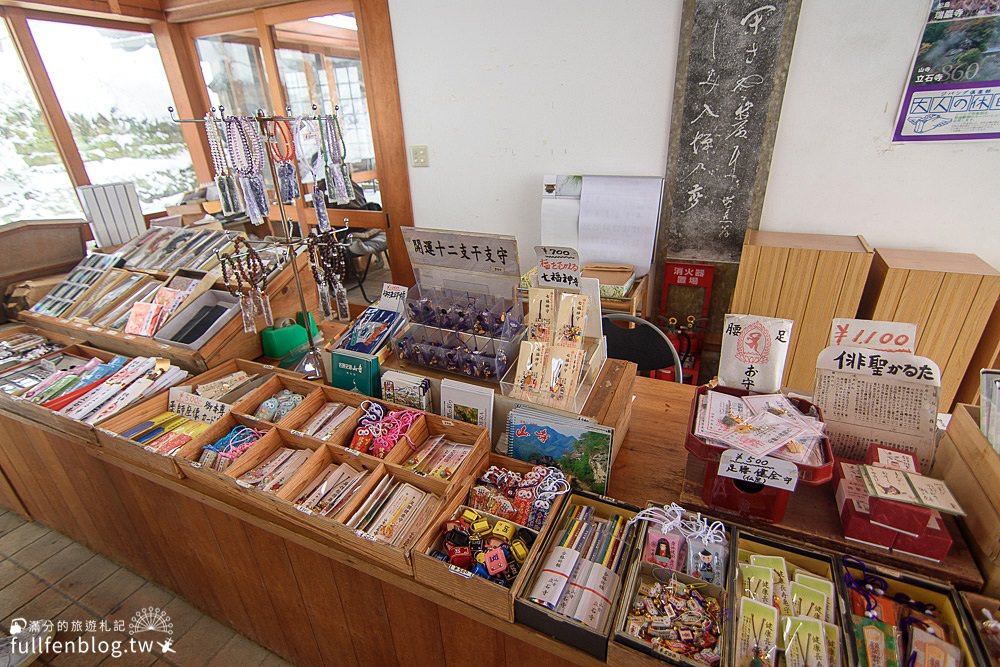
[(953, 92)]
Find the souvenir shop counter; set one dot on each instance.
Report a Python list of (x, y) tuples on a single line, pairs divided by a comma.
[(295, 593)]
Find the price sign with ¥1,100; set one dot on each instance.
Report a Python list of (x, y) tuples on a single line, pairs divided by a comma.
[(768, 471)]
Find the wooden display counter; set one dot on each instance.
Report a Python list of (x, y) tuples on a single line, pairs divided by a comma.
[(231, 342), (303, 597)]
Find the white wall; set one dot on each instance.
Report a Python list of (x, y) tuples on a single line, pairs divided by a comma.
[(835, 170), (503, 93)]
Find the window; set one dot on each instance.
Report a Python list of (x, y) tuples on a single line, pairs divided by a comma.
[(33, 182), (112, 88), (319, 62), (234, 72)]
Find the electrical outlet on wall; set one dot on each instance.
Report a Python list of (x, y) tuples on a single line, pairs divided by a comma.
[(419, 156)]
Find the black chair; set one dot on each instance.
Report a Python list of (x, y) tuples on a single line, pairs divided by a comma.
[(644, 345)]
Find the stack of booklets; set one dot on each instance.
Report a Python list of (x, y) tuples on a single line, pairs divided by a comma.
[(329, 492), (413, 391), (469, 403), (355, 358), (989, 399), (325, 422), (169, 248), (95, 390), (24, 347), (438, 457), (275, 472), (166, 433), (395, 512), (64, 295), (576, 446)]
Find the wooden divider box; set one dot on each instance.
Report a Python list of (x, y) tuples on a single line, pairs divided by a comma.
[(21, 408), (944, 597), (973, 605), (394, 557), (229, 342), (253, 400), (797, 557), (808, 278), (950, 296), (584, 637), (970, 466), (114, 445), (462, 584)]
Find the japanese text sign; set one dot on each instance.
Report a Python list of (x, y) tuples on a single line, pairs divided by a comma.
[(754, 350), (467, 251), (558, 267), (774, 472), (194, 407)]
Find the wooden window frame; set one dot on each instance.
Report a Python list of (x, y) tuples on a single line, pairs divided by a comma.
[(175, 24)]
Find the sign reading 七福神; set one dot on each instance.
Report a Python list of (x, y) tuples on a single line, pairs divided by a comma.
[(558, 267)]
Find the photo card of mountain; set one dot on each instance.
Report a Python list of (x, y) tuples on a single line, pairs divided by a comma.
[(578, 447)]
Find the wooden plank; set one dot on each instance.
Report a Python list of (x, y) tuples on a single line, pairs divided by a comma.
[(792, 302), (265, 34), (463, 637), (977, 316), (814, 334), (321, 597), (237, 552), (415, 628), (917, 299), (187, 88), (369, 630), (854, 284), (382, 90), (769, 280), (282, 588), (987, 355), (299, 11), (746, 277), (48, 102), (520, 653), (948, 314)]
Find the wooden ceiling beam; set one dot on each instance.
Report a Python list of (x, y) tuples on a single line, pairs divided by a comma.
[(95, 9)]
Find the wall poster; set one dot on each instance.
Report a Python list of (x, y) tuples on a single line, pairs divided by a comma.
[(953, 92)]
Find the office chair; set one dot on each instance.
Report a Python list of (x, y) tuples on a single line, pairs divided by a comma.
[(645, 345)]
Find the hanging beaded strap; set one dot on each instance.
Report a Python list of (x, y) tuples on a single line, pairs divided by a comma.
[(246, 153), (334, 160), (283, 155), (229, 195)]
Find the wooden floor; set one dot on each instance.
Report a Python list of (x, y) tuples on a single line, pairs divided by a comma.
[(46, 575)]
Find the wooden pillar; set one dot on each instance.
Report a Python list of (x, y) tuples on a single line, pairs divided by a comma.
[(381, 86), (267, 47), (187, 87), (48, 102)]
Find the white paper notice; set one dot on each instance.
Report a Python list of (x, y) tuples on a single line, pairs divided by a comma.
[(618, 219), (871, 396), (874, 335), (561, 210)]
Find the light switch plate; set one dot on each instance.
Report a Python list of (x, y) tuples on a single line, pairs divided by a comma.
[(419, 156)]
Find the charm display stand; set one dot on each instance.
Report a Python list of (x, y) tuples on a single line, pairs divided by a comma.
[(311, 364)]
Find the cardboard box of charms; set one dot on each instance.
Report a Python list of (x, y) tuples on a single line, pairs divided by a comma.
[(281, 507), (230, 342)]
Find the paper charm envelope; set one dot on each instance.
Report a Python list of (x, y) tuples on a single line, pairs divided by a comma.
[(753, 353)]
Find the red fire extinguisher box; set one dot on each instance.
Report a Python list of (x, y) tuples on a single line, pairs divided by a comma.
[(747, 498)]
